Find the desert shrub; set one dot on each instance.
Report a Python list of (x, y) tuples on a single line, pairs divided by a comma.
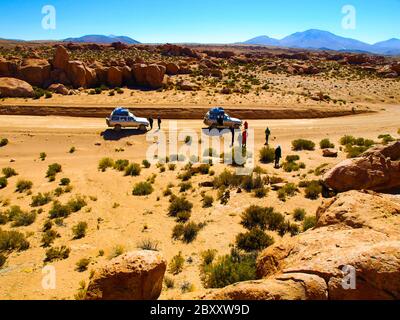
[(309, 222), (169, 282), (3, 142), (299, 214), (345, 140), (142, 189), (167, 192), (302, 144), (176, 264), (208, 256), (253, 240), (105, 163), (204, 168), (171, 166), (232, 268), (267, 155), (76, 204), (290, 166), (146, 164), (185, 186), (48, 237), (3, 182), (82, 264), (133, 170), (42, 156), (287, 226), (326, 144), (53, 170), (41, 199), (59, 211), (207, 201), (57, 253), (313, 190), (183, 216), (65, 182), (9, 172), (186, 175), (148, 244), (12, 240), (386, 138), (79, 230), (3, 260), (292, 158), (255, 217), (355, 151), (23, 185), (22, 218), (121, 164), (116, 251), (186, 232), (321, 169), (179, 205), (288, 190), (249, 182), (3, 218), (47, 225), (227, 179)]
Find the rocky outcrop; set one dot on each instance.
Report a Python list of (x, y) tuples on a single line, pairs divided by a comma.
[(35, 71), (58, 88), (61, 58), (80, 75), (132, 276), (174, 50), (355, 231), (377, 169), (114, 77), (329, 153), (11, 87), (149, 76)]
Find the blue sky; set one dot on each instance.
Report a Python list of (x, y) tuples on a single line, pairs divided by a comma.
[(206, 21)]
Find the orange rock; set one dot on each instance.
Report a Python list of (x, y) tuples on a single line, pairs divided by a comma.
[(11, 87)]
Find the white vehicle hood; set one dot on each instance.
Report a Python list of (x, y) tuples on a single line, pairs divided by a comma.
[(142, 120)]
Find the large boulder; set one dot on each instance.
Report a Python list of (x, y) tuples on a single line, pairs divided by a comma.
[(132, 276), (11, 87), (378, 170), (114, 77), (172, 68), (139, 73), (155, 75), (35, 71), (80, 75), (61, 58), (58, 88), (7, 68), (355, 231)]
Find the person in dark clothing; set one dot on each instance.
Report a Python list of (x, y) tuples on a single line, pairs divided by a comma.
[(233, 135), (151, 123), (278, 156), (159, 122), (267, 134), (244, 139)]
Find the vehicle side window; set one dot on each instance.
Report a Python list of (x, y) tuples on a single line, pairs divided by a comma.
[(115, 118), (130, 119)]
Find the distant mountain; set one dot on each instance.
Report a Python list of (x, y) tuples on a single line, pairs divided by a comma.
[(319, 39), (94, 38), (264, 40)]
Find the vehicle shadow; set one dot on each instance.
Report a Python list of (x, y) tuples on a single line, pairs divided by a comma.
[(112, 135)]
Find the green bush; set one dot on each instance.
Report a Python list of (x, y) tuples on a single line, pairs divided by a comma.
[(105, 163), (179, 205), (121, 164), (142, 189), (290, 166), (207, 201), (116, 251), (309, 222), (53, 170), (3, 218), (299, 214), (9, 172), (313, 190), (42, 156), (76, 204), (186, 232), (345, 140), (12, 240), (255, 217), (41, 199), (146, 164), (22, 219), (267, 155), (148, 244), (185, 186), (249, 182), (326, 144), (3, 182), (302, 144), (204, 168), (386, 138), (82, 264), (176, 264), (59, 211), (287, 226), (227, 179), (133, 170), (65, 182), (57, 253), (171, 166), (3, 142), (288, 190), (79, 230), (229, 269), (23, 185), (208, 256), (253, 240), (48, 238), (169, 282)]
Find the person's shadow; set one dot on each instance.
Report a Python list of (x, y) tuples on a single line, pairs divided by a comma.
[(112, 135)]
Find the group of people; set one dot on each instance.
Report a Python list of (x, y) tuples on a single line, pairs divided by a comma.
[(151, 122)]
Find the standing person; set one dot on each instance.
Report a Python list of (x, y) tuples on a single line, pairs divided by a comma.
[(233, 136), (267, 134), (278, 156), (151, 122), (244, 139), (246, 125), (159, 122)]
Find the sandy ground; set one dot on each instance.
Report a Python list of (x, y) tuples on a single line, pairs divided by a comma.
[(126, 220)]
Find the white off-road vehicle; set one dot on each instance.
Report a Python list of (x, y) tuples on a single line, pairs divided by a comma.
[(122, 118)]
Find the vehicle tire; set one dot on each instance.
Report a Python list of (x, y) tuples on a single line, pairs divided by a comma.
[(118, 128), (142, 127)]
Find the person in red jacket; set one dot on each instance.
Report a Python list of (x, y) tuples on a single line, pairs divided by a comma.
[(244, 139), (246, 125)]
